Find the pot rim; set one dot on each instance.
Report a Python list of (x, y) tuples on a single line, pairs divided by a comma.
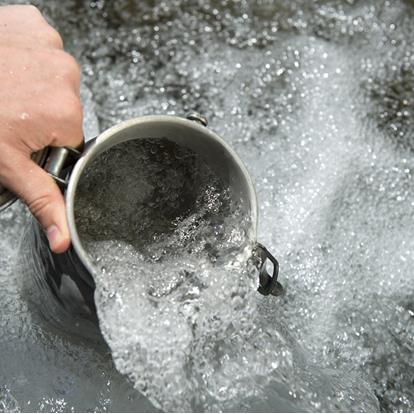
[(95, 147)]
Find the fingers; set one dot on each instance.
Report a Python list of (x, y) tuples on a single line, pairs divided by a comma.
[(40, 101), (48, 38), (64, 67), (41, 194), (26, 21), (65, 121), (47, 120), (62, 109)]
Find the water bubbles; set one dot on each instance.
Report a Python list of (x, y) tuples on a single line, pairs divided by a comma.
[(393, 94), (8, 403), (171, 310), (317, 99)]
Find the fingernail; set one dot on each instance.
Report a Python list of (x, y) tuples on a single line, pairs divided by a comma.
[(54, 236)]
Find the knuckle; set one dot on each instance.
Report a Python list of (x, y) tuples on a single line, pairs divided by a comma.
[(44, 30), (6, 167), (39, 205), (69, 65), (30, 8), (67, 121), (53, 37), (71, 108), (35, 15), (59, 104)]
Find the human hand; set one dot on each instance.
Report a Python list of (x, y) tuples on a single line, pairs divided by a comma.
[(40, 107)]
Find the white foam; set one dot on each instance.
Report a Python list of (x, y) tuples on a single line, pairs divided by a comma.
[(309, 94)]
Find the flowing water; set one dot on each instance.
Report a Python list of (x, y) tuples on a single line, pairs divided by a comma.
[(172, 283), (318, 99)]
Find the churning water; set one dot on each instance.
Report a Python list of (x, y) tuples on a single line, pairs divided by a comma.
[(174, 292), (318, 99)]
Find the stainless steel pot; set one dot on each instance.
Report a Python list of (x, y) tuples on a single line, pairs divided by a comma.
[(69, 276)]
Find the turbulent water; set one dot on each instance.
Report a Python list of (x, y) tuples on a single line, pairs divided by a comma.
[(160, 198), (318, 100), (173, 287)]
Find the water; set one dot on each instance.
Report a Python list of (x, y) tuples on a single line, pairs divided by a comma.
[(171, 248), (147, 191), (42, 369), (175, 288), (317, 100)]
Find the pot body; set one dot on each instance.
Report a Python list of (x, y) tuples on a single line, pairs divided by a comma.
[(69, 276), (58, 287)]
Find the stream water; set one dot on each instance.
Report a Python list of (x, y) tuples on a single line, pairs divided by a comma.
[(317, 98)]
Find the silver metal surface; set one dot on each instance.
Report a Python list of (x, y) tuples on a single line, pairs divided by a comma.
[(187, 133), (195, 116), (71, 274), (59, 159), (56, 161)]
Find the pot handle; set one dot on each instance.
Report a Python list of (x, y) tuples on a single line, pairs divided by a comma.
[(61, 160), (58, 163), (268, 284)]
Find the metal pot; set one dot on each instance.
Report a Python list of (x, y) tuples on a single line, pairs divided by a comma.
[(69, 276)]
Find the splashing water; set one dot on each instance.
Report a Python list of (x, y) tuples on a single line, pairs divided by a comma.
[(317, 99), (174, 288), (7, 402), (161, 227)]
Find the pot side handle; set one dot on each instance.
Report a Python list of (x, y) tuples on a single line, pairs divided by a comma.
[(268, 284), (61, 160)]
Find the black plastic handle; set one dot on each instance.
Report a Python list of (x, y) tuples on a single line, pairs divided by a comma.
[(268, 284)]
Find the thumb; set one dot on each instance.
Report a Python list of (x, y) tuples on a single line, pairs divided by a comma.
[(43, 197)]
